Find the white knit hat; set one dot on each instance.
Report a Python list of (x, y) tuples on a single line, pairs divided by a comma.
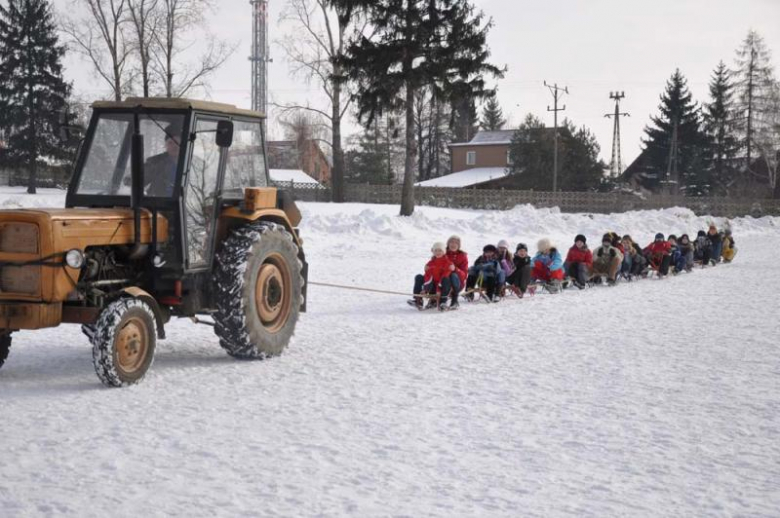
[(438, 246), (503, 244), (543, 245)]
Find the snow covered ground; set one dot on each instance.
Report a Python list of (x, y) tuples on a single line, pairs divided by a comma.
[(656, 398)]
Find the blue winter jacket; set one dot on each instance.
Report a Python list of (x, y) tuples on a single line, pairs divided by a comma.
[(551, 260)]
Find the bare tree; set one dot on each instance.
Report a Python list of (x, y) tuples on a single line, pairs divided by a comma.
[(315, 53), (101, 37), (178, 18), (145, 19)]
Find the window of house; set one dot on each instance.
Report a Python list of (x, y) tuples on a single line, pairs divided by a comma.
[(471, 158), (508, 157)]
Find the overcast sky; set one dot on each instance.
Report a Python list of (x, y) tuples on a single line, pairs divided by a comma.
[(591, 46)]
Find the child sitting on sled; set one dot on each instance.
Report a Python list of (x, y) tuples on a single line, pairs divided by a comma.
[(520, 278), (436, 279), (485, 274), (579, 261), (702, 248), (685, 261), (659, 255), (547, 264), (729, 249), (461, 262)]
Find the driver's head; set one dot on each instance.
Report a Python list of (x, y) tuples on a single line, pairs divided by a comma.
[(172, 141)]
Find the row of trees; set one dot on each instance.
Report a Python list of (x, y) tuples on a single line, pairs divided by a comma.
[(139, 46), (134, 46), (374, 154), (415, 67), (731, 144)]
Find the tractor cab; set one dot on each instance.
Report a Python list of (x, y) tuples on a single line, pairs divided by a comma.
[(198, 158), (169, 213)]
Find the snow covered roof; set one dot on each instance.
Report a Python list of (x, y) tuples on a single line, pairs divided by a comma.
[(489, 138), (291, 175), (467, 178)]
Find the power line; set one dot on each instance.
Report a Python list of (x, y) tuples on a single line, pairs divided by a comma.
[(556, 93)]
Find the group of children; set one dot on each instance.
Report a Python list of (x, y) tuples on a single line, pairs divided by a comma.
[(497, 270)]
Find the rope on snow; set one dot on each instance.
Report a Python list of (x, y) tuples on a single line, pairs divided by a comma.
[(370, 290)]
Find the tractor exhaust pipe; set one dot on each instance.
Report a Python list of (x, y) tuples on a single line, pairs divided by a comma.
[(137, 187)]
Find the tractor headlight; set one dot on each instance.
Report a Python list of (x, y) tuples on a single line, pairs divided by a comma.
[(74, 259)]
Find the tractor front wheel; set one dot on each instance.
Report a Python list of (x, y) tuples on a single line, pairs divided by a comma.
[(258, 285), (5, 346), (123, 342)]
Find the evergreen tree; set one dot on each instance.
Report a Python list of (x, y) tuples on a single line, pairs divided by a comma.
[(372, 161), (755, 82), (675, 142), (33, 93), (414, 44), (464, 121), (492, 116), (723, 144), (531, 153)]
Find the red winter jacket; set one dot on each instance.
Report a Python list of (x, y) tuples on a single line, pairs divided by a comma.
[(658, 247), (461, 262), (576, 255), (437, 269)]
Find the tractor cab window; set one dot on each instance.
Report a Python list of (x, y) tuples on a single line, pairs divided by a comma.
[(106, 169), (201, 193), (246, 165)]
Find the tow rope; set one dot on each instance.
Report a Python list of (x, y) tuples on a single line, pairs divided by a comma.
[(369, 290)]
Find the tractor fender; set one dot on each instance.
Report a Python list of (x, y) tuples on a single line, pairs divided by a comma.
[(233, 215), (137, 293)]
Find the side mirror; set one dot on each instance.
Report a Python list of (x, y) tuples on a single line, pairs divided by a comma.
[(225, 134), (68, 131)]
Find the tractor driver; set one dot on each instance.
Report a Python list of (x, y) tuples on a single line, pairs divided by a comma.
[(160, 170)]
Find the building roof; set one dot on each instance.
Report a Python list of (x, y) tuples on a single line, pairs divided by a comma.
[(291, 175), (177, 104), (467, 178), (489, 138)]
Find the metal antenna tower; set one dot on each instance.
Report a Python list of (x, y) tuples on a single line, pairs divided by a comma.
[(616, 166), (556, 92), (260, 57)]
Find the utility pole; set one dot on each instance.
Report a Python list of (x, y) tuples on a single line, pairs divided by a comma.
[(556, 93), (616, 166)]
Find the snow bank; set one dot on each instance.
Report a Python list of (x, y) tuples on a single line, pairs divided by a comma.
[(522, 223)]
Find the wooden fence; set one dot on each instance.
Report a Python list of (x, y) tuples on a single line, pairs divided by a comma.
[(603, 203)]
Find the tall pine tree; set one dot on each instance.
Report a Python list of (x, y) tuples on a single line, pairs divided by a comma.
[(33, 93), (492, 116), (675, 143), (723, 145), (414, 44), (755, 82)]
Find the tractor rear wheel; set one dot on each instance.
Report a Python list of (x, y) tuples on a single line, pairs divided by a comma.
[(258, 286), (5, 346), (124, 342)]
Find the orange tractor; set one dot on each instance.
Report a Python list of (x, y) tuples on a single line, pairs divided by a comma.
[(169, 213)]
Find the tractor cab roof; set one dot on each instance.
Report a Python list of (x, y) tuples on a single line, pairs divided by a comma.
[(168, 103)]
